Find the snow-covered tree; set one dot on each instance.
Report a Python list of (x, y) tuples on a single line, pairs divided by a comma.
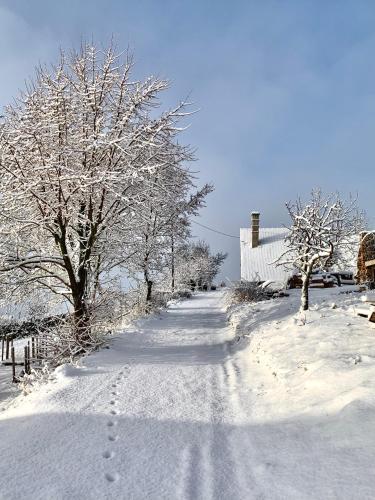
[(179, 227), (322, 231), (163, 220), (196, 267), (77, 150)]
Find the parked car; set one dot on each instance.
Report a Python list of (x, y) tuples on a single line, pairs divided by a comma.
[(323, 280), (273, 285), (319, 279), (274, 288), (344, 277)]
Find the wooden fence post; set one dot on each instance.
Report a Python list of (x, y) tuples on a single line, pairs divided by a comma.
[(28, 359), (2, 348), (25, 362)]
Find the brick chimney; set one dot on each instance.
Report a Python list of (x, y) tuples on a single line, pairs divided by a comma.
[(254, 229)]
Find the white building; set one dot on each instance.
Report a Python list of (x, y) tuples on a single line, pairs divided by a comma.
[(259, 248)]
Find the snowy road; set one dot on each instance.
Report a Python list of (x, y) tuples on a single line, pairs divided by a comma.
[(152, 417), (176, 410)]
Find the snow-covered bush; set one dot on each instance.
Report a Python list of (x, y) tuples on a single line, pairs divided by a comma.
[(196, 267), (60, 344), (28, 381), (246, 291), (181, 294)]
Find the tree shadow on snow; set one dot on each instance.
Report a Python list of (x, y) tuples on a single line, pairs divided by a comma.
[(90, 456)]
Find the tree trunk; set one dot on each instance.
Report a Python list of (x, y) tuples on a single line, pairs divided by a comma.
[(81, 316), (305, 290), (149, 290), (172, 265), (149, 284), (81, 319)]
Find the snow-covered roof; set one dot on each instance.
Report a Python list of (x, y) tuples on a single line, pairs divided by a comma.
[(257, 260)]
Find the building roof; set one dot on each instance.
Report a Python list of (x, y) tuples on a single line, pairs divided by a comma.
[(257, 261)]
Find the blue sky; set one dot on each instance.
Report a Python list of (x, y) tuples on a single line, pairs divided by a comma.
[(286, 90)]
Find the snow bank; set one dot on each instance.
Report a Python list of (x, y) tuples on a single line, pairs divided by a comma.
[(313, 364), (313, 377)]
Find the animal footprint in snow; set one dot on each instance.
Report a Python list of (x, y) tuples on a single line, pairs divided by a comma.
[(114, 393), (108, 454), (111, 423), (112, 437), (113, 412), (112, 402), (111, 478), (114, 385)]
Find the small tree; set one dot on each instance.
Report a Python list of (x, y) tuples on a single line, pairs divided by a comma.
[(195, 265), (322, 231)]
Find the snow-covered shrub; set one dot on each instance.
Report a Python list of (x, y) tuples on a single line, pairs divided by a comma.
[(181, 294), (159, 299), (195, 266), (36, 377), (29, 328), (60, 343), (246, 291)]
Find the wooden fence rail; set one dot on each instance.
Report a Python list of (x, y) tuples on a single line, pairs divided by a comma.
[(33, 353)]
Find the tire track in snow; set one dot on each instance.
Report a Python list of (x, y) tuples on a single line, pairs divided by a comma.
[(228, 482), (232, 449), (246, 459), (211, 467), (194, 460), (195, 486)]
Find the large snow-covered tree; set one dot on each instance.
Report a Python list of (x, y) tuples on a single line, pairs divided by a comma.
[(77, 150), (322, 231)]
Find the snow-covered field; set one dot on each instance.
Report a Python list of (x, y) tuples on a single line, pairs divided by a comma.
[(179, 408)]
